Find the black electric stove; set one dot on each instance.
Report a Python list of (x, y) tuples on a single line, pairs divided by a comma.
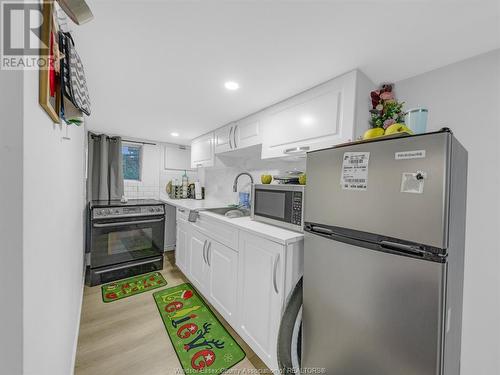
[(125, 239)]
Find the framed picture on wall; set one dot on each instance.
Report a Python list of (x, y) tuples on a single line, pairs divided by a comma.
[(50, 83)]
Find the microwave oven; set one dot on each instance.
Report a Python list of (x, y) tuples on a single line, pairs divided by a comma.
[(281, 205)]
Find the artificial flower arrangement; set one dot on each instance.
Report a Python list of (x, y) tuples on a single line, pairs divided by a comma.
[(387, 116), (386, 109)]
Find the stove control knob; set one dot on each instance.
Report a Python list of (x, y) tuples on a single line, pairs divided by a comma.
[(106, 211), (97, 212), (151, 209)]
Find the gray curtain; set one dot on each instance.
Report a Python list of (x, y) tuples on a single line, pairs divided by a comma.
[(105, 167)]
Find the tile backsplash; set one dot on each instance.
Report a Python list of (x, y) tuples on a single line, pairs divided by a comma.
[(218, 181), (139, 190)]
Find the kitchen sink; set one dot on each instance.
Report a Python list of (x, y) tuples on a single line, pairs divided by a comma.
[(230, 212)]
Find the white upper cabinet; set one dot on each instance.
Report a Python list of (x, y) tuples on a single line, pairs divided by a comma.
[(326, 115), (223, 138), (334, 112), (247, 132), (177, 157), (237, 135), (202, 151)]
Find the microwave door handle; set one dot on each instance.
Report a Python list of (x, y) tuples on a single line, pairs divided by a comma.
[(118, 224)]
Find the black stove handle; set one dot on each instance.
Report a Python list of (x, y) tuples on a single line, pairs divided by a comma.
[(121, 223)]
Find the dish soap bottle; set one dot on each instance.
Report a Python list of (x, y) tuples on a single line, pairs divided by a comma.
[(184, 185)]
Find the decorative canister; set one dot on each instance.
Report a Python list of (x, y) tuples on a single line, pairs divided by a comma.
[(416, 120)]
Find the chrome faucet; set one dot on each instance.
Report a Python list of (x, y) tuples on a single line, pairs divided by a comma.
[(235, 184)]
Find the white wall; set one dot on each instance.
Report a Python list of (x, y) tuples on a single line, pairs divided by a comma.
[(11, 254), (53, 238), (466, 98)]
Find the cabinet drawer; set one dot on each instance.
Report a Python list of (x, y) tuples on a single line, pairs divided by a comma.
[(182, 213), (224, 233)]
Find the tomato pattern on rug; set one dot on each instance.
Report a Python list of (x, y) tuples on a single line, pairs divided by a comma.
[(132, 286), (200, 340)]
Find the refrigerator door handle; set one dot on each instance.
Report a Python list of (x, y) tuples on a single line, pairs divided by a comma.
[(402, 247), (318, 229)]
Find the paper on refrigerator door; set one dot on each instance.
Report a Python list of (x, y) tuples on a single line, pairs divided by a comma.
[(354, 174)]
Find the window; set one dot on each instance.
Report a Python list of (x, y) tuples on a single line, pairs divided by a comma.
[(132, 155)]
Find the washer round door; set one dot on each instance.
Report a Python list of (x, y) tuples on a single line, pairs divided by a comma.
[(290, 333)]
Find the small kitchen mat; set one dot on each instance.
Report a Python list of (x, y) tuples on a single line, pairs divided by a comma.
[(132, 286), (200, 340)]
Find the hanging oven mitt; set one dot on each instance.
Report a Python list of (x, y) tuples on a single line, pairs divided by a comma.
[(73, 80)]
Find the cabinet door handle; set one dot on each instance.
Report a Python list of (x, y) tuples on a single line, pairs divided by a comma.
[(234, 136), (204, 248), (296, 150), (181, 210), (275, 268), (208, 253), (230, 133)]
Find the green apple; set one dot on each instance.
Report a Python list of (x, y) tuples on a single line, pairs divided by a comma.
[(373, 133), (397, 128), (266, 178), (302, 179)]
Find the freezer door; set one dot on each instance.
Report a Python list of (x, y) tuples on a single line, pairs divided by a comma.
[(370, 313), (394, 202)]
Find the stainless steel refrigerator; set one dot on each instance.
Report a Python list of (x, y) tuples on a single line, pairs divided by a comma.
[(384, 254)]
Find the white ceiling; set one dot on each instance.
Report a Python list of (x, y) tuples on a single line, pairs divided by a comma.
[(156, 67)]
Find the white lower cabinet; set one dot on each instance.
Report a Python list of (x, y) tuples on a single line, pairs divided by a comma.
[(223, 262), (247, 285), (199, 269), (261, 275), (181, 246)]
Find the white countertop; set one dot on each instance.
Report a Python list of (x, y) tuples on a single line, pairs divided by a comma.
[(193, 204), (271, 232)]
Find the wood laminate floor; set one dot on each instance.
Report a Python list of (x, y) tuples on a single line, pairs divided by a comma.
[(127, 337)]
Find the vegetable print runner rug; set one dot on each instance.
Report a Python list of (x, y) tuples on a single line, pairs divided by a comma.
[(200, 340), (131, 286)]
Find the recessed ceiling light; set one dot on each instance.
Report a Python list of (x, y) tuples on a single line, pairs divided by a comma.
[(231, 85), (174, 134)]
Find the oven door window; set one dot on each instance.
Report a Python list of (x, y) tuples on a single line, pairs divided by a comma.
[(274, 204), (117, 242)]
